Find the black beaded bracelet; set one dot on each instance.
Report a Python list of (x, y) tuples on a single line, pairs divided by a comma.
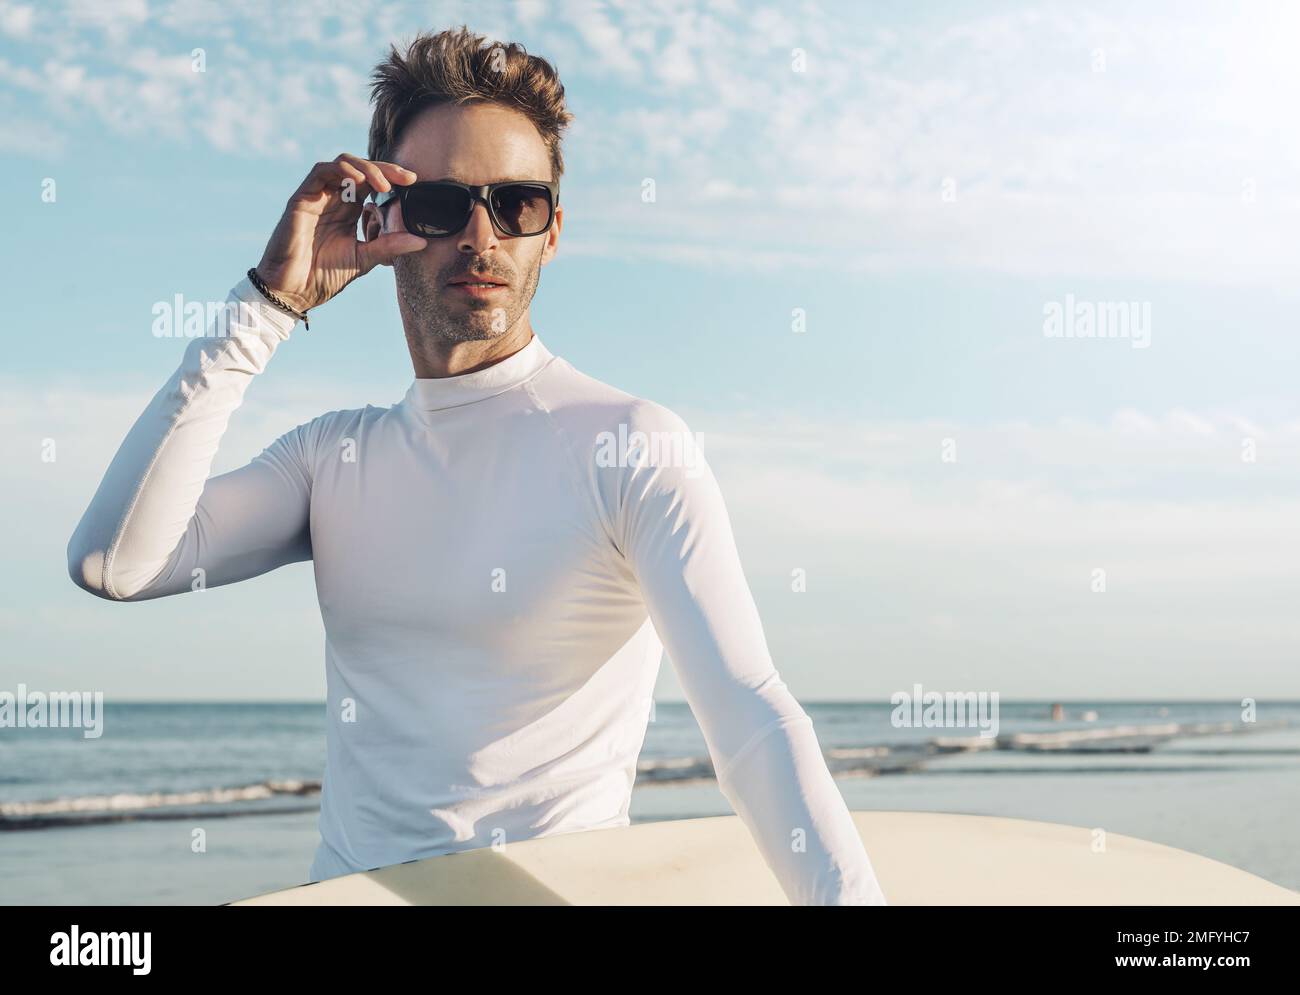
[(274, 298)]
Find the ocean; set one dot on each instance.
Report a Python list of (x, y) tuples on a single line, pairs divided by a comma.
[(111, 820)]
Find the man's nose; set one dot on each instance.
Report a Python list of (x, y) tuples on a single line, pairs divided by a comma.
[(479, 234)]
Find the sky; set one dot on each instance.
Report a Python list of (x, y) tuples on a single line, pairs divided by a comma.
[(864, 216)]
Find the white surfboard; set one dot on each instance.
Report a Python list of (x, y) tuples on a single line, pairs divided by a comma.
[(920, 858)]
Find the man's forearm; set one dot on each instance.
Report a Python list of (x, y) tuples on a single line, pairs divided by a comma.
[(782, 789)]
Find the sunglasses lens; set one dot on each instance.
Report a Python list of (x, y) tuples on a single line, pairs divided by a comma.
[(433, 210), (522, 209)]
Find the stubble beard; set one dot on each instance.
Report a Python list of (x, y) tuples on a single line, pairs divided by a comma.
[(438, 322)]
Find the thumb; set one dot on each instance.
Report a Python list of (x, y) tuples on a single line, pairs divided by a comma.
[(383, 250)]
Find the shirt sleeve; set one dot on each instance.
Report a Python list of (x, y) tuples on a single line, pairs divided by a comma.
[(158, 525), (671, 525)]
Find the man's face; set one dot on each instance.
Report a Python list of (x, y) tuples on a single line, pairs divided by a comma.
[(474, 144)]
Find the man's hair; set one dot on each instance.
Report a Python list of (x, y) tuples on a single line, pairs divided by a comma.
[(460, 67)]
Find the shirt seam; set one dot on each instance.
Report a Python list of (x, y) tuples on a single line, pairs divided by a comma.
[(610, 548), (751, 744)]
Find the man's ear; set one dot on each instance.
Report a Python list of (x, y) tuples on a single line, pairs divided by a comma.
[(372, 221), (553, 236)]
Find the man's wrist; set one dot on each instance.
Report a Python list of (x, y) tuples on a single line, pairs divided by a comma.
[(259, 314), (276, 299)]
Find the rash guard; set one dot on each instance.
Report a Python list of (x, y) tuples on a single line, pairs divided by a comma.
[(501, 559)]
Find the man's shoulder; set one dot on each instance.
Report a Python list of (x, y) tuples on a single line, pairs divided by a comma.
[(335, 427), (619, 437), (584, 404), (344, 419)]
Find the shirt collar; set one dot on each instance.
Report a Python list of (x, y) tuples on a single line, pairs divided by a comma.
[(436, 393)]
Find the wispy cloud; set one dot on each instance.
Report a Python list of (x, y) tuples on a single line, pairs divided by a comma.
[(1043, 140)]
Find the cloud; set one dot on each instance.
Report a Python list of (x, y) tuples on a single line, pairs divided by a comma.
[(991, 143), (24, 135), (1046, 141), (16, 19), (603, 38)]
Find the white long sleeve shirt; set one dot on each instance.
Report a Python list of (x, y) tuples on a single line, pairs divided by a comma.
[(498, 578)]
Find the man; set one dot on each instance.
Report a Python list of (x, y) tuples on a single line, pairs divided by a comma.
[(498, 555)]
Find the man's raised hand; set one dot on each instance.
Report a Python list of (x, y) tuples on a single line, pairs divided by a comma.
[(314, 251)]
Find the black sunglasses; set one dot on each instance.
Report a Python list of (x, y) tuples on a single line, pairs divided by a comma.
[(442, 208)]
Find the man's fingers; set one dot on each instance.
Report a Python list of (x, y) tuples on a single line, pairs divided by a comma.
[(392, 172), (329, 177), (352, 173), (397, 174), (322, 175), (383, 250), (372, 173), (380, 175)]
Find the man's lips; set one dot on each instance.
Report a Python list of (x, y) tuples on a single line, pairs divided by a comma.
[(475, 290), (476, 287)]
